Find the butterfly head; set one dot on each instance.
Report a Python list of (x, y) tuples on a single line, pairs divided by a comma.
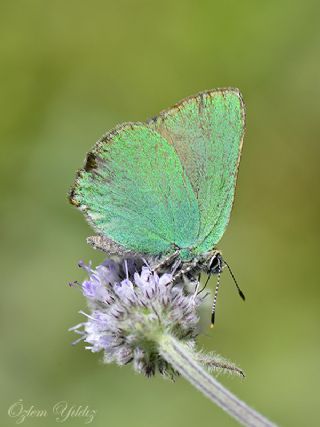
[(215, 263)]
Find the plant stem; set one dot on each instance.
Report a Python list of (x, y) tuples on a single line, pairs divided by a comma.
[(181, 358)]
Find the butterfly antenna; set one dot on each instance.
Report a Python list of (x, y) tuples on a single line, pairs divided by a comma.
[(213, 311), (235, 281), (209, 275)]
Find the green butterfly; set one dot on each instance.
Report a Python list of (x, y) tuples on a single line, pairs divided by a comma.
[(166, 187)]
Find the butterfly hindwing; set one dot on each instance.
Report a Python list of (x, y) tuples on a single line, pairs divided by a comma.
[(134, 190), (206, 132)]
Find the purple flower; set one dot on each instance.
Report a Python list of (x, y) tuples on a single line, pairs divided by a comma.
[(130, 306)]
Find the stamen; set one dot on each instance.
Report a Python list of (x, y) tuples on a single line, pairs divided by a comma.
[(78, 340), (126, 268), (87, 315), (74, 328), (146, 263)]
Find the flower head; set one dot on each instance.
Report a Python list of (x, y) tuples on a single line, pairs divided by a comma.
[(131, 307), (134, 313)]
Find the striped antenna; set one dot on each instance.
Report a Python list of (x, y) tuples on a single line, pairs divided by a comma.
[(213, 312)]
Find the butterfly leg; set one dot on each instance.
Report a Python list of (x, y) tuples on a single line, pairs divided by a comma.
[(188, 267), (167, 261), (197, 284), (176, 265)]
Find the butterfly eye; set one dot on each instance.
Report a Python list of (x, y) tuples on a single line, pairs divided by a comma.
[(215, 264)]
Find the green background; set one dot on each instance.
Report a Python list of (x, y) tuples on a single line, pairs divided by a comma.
[(70, 70)]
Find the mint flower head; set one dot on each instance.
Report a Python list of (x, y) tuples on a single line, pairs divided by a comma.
[(130, 310), (137, 316)]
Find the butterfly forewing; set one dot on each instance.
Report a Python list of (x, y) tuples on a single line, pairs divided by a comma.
[(207, 131)]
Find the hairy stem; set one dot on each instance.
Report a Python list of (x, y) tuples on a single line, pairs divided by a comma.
[(182, 359)]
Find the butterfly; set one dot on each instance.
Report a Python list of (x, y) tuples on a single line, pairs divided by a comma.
[(165, 188)]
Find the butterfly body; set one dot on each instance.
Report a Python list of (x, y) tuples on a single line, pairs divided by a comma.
[(165, 188), (209, 263)]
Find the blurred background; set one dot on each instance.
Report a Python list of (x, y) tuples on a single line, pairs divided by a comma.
[(71, 71)]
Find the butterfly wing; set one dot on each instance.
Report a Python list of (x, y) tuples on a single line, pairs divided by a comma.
[(206, 131), (134, 190)]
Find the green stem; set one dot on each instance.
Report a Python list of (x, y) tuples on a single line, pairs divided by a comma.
[(181, 358)]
